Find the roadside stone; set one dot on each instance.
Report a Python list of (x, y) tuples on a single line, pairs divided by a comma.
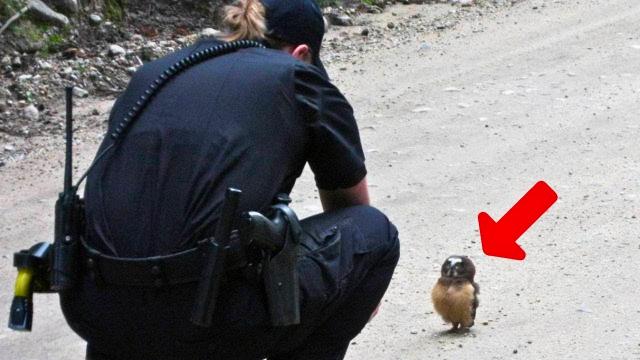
[(40, 10), (373, 9), (132, 70), (116, 50), (150, 51), (6, 60), (80, 92), (25, 77), (9, 148), (66, 6), (44, 65), (31, 112), (29, 45), (364, 32), (462, 2), (391, 25), (16, 62), (338, 19), (209, 32), (95, 19), (137, 38), (70, 53), (422, 109)]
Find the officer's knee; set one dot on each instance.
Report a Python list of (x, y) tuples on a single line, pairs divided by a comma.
[(378, 225)]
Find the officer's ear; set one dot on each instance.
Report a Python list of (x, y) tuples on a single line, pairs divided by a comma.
[(301, 52)]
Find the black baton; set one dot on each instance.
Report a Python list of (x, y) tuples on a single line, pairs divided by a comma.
[(215, 252)]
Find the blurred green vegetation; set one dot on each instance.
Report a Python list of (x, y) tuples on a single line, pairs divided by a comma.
[(114, 10), (10, 7), (31, 30)]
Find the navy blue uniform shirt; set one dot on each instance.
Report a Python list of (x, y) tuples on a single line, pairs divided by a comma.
[(250, 120)]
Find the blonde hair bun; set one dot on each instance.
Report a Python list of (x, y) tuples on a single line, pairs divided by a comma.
[(244, 20)]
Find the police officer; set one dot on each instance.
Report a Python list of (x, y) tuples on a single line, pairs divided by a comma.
[(250, 119)]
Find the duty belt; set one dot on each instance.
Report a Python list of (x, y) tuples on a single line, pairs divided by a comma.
[(158, 271)]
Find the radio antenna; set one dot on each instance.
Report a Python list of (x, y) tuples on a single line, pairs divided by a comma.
[(68, 160)]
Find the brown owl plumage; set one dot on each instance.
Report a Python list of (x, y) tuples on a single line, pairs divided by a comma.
[(455, 295)]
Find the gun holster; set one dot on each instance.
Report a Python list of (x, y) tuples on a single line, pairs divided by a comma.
[(279, 238)]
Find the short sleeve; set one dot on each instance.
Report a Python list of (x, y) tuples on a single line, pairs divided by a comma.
[(334, 151)]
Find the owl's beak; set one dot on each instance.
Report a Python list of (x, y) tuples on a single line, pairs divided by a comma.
[(449, 273)]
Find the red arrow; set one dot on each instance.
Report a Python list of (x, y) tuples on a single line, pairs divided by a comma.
[(499, 239)]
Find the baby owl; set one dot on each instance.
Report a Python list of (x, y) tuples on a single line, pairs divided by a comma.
[(455, 295)]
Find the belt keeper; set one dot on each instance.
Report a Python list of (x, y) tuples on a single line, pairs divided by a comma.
[(94, 271), (156, 271)]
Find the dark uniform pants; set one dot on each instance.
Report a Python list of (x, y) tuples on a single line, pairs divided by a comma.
[(348, 259)]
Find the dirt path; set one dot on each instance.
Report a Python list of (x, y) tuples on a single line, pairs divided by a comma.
[(453, 125)]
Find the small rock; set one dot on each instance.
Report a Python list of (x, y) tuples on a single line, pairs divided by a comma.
[(44, 65), (95, 112), (9, 148), (31, 112), (364, 32), (339, 19), (373, 9), (391, 25), (16, 62), (95, 19), (116, 50), (463, 2), (1, 163), (150, 51), (424, 46), (137, 38), (68, 6), (422, 109), (25, 77), (209, 32), (44, 13), (80, 92), (132, 70), (6, 60)]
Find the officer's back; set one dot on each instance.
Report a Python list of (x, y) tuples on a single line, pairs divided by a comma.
[(211, 127)]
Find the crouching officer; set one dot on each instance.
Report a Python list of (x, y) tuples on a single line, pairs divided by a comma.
[(245, 111)]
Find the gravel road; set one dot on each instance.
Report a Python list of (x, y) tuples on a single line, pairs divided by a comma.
[(455, 123)]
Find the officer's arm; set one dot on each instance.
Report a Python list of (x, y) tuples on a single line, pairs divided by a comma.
[(341, 198)]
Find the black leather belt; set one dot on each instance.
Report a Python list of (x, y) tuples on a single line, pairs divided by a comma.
[(158, 271)]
